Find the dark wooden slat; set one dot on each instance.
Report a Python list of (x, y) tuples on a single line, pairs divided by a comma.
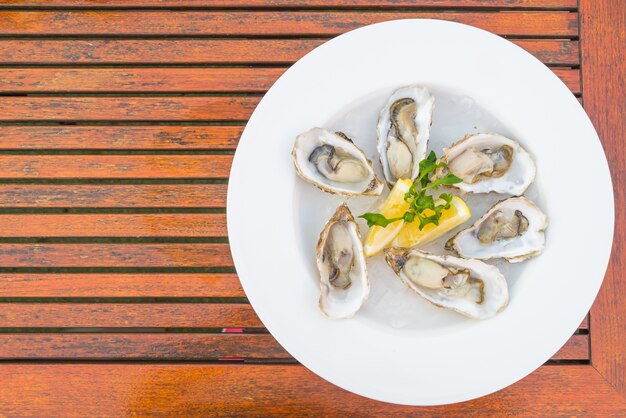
[(125, 315), (557, 24), (115, 166), (211, 51), (565, 4), (115, 255), (120, 137), (176, 347), (219, 108), (603, 50), (112, 196), (120, 285), (114, 225), (125, 80), (73, 390)]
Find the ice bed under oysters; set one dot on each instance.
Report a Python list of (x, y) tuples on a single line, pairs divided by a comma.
[(355, 159)]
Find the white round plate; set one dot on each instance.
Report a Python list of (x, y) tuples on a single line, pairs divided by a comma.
[(398, 348)]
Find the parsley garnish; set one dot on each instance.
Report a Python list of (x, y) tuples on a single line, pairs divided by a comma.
[(418, 200)]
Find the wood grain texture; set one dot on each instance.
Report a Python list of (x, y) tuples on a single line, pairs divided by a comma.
[(112, 346), (114, 225), (163, 80), (220, 285), (565, 4), (115, 166), (603, 42), (221, 108), (115, 255), (125, 315), (205, 390), (211, 51), (120, 137), (556, 24), (113, 196)]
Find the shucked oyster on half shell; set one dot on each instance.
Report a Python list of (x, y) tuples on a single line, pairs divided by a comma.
[(512, 229), (341, 263), (469, 287), (331, 161), (403, 132), (490, 163)]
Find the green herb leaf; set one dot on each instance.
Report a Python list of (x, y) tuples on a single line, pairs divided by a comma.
[(378, 219)]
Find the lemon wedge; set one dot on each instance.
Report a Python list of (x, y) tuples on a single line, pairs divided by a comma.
[(410, 234), (395, 205)]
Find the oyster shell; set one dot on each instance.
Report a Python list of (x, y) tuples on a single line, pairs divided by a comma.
[(331, 161), (403, 132), (469, 287), (512, 229), (490, 163), (343, 276)]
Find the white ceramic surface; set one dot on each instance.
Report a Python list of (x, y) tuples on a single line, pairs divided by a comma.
[(399, 348)]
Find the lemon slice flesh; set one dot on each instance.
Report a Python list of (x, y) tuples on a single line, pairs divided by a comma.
[(395, 205), (410, 234)]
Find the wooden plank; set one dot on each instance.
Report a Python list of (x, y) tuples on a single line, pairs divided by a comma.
[(534, 23), (113, 196), (576, 348), (127, 315), (221, 285), (220, 108), (115, 166), (603, 51), (552, 4), (166, 80), (115, 255), (211, 51), (112, 346), (120, 137), (117, 346), (72, 390), (114, 225)]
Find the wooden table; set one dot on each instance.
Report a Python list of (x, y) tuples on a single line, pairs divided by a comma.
[(119, 122)]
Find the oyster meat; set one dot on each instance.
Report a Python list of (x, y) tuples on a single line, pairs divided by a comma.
[(403, 132), (331, 161), (490, 163), (512, 229), (469, 287), (343, 277)]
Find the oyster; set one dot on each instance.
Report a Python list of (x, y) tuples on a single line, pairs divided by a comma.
[(490, 163), (343, 278), (403, 132), (512, 229), (469, 287), (334, 164)]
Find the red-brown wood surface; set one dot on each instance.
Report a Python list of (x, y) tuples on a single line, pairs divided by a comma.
[(198, 346), (113, 196), (179, 285), (128, 315), (115, 255), (221, 285), (557, 4), (114, 225), (220, 108), (161, 137), (551, 23), (265, 390), (208, 80), (604, 52), (114, 166), (211, 51)]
